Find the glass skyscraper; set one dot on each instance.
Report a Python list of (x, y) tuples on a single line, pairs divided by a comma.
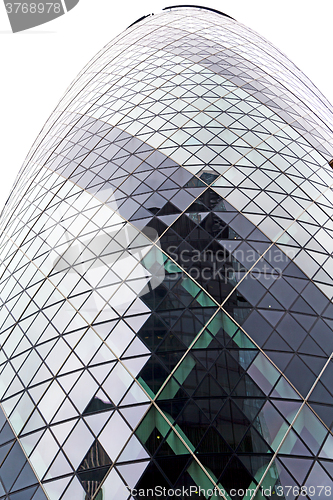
[(166, 277)]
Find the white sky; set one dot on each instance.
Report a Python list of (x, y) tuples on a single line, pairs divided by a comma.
[(38, 65)]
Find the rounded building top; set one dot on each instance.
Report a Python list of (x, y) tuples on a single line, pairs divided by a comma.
[(176, 7), (166, 271), (197, 7)]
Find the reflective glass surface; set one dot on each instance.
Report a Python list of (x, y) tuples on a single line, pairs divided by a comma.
[(167, 278)]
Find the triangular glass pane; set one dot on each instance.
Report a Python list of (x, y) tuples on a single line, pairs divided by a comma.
[(93, 468)]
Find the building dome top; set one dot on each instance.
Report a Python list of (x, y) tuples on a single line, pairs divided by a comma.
[(166, 274), (197, 7)]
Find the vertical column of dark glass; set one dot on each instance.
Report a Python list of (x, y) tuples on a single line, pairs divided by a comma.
[(215, 406), (16, 474)]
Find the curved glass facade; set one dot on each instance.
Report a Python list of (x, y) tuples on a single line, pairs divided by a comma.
[(166, 276)]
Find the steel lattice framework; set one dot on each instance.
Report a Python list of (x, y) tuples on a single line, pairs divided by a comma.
[(166, 275)]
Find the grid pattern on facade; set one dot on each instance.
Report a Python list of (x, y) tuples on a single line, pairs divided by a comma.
[(166, 274)]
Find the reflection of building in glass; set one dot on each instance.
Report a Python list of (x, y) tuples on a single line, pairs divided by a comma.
[(166, 277)]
